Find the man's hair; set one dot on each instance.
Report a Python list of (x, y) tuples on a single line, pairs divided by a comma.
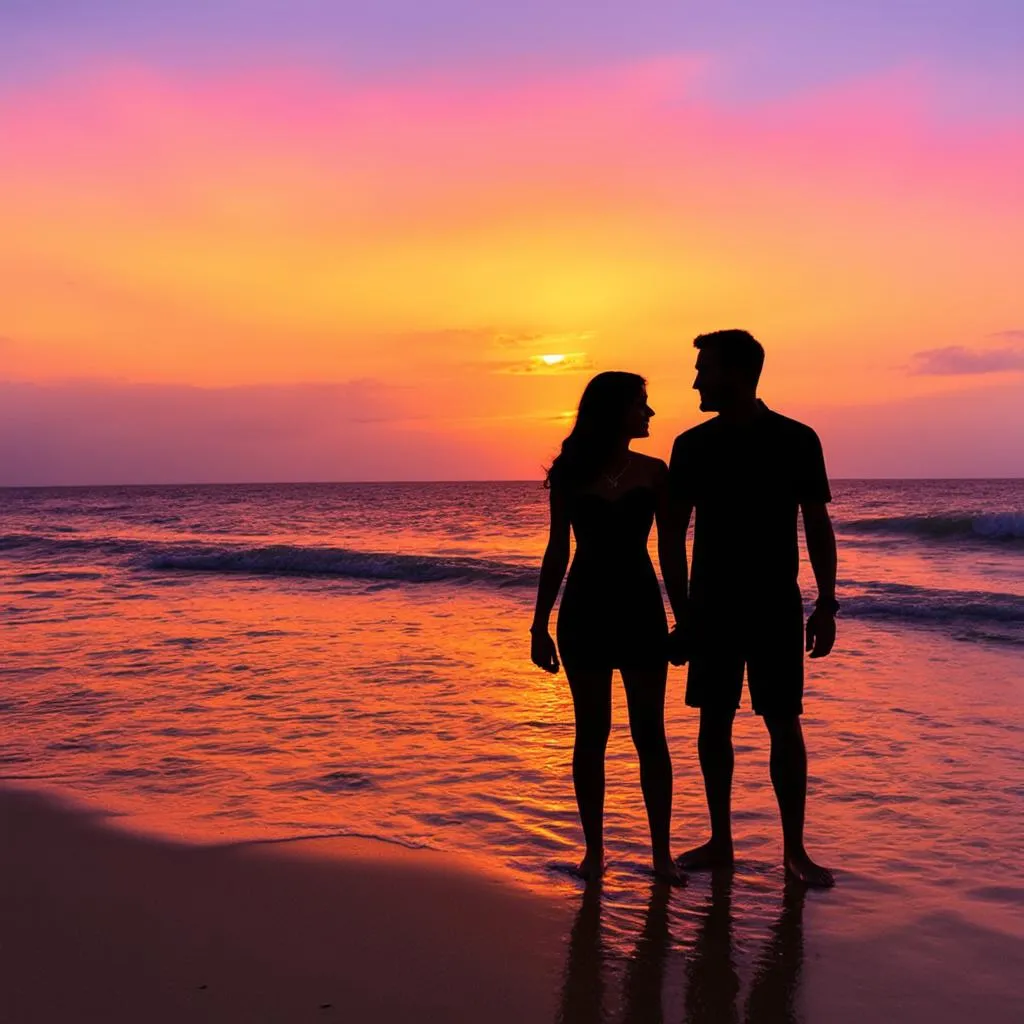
[(738, 350)]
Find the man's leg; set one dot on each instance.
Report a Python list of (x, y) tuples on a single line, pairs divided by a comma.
[(789, 779), (714, 747)]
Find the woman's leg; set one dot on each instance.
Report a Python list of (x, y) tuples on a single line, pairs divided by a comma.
[(592, 703), (645, 694)]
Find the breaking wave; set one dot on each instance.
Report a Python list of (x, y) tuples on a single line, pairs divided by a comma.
[(295, 560), (966, 613), (1004, 527), (980, 614)]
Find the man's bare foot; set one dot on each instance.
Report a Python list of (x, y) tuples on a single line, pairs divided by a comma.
[(666, 870), (711, 855), (591, 867), (803, 869)]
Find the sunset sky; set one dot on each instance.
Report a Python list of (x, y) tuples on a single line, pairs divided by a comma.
[(312, 240)]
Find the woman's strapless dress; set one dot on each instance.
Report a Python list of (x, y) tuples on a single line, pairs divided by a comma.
[(612, 614)]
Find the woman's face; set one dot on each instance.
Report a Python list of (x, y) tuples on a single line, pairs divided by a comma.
[(638, 416)]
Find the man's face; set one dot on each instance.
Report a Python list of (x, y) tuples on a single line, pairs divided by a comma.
[(711, 382)]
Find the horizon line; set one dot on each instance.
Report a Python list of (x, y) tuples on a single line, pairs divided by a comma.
[(468, 480)]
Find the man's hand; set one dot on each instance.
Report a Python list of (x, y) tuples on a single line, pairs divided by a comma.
[(821, 632)]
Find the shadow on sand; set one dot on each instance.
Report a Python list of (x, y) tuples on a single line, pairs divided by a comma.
[(712, 984)]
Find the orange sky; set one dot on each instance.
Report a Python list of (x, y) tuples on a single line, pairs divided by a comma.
[(421, 241)]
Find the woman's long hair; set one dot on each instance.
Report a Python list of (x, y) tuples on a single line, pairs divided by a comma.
[(598, 428)]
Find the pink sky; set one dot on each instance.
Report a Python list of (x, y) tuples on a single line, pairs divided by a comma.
[(271, 273)]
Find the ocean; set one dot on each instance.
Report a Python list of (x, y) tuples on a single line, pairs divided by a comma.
[(268, 662)]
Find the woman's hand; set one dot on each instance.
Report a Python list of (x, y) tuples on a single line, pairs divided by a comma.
[(542, 650)]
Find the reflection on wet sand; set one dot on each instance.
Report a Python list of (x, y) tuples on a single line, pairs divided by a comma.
[(712, 981), (582, 999), (773, 994)]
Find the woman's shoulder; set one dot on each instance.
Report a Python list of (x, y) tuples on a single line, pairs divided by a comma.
[(649, 464)]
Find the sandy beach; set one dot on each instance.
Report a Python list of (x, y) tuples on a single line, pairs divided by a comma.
[(100, 924)]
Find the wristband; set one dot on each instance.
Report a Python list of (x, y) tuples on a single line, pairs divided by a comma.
[(829, 604)]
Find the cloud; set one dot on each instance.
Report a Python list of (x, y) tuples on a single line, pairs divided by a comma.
[(972, 432), (552, 362), (1016, 334), (958, 360), (544, 341), (102, 431), (544, 353)]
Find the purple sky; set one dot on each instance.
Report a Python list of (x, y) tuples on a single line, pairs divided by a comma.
[(764, 48)]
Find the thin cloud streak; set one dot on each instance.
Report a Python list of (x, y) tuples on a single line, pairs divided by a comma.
[(96, 432), (958, 360)]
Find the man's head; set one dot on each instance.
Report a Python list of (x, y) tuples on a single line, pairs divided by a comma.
[(728, 368)]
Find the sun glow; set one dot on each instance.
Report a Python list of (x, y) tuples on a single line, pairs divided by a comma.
[(552, 360)]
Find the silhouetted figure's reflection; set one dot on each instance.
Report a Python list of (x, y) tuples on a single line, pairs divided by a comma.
[(586, 981), (712, 983), (583, 985), (645, 972), (712, 979), (777, 978)]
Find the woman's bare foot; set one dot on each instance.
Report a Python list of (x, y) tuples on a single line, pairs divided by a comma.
[(666, 870), (591, 867), (711, 855), (803, 869)]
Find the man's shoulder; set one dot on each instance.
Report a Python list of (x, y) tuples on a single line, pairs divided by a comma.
[(699, 433), (790, 427)]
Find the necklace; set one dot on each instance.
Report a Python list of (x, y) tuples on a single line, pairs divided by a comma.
[(613, 479)]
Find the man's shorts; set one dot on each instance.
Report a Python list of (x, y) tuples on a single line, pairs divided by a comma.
[(764, 635)]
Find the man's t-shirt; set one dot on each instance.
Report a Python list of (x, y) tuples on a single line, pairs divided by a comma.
[(746, 482)]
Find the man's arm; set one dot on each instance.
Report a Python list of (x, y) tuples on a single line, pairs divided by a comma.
[(673, 516), (821, 549), (675, 508)]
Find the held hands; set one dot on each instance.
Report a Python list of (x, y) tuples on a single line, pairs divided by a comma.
[(821, 631), (679, 643), (542, 650)]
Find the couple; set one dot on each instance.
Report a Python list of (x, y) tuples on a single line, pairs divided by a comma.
[(745, 473)]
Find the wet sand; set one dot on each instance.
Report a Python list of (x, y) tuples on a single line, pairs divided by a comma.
[(100, 924)]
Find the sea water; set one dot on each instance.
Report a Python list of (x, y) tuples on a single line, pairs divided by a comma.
[(241, 663)]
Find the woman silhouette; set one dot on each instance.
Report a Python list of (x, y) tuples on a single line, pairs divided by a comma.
[(611, 615)]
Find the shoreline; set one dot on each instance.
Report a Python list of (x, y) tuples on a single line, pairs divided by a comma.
[(99, 923)]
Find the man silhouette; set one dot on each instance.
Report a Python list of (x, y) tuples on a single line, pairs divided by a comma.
[(746, 473)]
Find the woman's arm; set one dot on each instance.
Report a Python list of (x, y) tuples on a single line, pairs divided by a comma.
[(552, 572)]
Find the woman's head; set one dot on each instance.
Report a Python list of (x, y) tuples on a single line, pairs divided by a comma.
[(613, 408)]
